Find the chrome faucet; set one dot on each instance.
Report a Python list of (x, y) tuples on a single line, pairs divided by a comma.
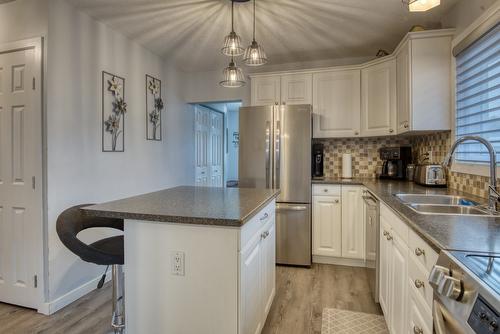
[(493, 195)]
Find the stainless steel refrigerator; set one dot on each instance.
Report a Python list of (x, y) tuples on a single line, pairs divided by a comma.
[(275, 152)]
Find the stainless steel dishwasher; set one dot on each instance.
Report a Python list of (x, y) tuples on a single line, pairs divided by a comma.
[(372, 219)]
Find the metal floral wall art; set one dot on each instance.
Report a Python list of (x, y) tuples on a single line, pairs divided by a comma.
[(114, 109), (154, 107)]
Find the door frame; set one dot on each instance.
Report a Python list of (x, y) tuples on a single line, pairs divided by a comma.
[(37, 44)]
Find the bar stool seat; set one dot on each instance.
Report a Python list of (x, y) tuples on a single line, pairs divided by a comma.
[(107, 251)]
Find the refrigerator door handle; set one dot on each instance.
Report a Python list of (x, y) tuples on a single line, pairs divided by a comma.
[(277, 155), (291, 208), (268, 153)]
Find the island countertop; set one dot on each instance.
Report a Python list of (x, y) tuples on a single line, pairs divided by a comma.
[(189, 205)]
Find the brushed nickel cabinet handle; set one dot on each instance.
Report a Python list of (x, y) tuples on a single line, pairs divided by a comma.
[(356, 133), (417, 330), (391, 130), (419, 251), (264, 217), (419, 284), (264, 234), (385, 233), (389, 237)]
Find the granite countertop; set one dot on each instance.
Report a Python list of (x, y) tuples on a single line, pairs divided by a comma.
[(465, 233), (189, 205)]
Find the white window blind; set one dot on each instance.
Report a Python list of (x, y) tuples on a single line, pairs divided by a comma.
[(478, 96)]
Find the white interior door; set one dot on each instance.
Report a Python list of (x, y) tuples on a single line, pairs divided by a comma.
[(201, 146), (21, 218), (216, 149)]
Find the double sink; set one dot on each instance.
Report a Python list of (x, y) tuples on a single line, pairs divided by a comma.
[(433, 204)]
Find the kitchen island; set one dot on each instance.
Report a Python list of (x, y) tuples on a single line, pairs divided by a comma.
[(197, 259)]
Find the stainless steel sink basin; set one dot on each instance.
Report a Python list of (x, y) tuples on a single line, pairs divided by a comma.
[(435, 199), (449, 210)]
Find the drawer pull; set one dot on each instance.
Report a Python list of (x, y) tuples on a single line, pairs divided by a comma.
[(417, 330), (336, 201), (325, 190), (386, 233), (389, 237), (419, 251), (264, 217), (419, 283), (264, 235)]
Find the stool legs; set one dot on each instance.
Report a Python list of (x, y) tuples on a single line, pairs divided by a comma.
[(118, 320)]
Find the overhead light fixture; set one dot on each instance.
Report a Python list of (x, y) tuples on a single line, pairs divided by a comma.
[(254, 54), (421, 5), (232, 42), (233, 76)]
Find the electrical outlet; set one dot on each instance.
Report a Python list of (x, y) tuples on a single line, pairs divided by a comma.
[(177, 260)]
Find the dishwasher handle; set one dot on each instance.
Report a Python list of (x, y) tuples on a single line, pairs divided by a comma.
[(291, 208)]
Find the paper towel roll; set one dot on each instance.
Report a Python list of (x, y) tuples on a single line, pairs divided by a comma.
[(346, 166)]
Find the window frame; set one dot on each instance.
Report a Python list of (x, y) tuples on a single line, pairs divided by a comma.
[(475, 168)]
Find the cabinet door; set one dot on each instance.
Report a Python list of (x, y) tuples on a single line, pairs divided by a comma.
[(251, 290), (419, 317), (266, 90), (353, 232), (296, 89), (403, 88), (378, 99), (327, 226), (384, 268), (398, 285), (268, 268), (336, 104)]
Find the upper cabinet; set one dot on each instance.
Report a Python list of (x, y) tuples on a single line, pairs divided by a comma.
[(378, 99), (424, 82), (282, 89), (336, 104), (408, 91)]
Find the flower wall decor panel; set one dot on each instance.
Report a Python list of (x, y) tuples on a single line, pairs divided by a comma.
[(154, 107), (114, 109)]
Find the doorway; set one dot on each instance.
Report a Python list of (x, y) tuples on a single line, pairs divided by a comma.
[(216, 144), (21, 206)]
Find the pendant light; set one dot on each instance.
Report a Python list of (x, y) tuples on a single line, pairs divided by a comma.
[(254, 54), (233, 76), (232, 42), (421, 5)]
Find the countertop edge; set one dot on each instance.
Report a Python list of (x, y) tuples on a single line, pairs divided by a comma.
[(207, 221)]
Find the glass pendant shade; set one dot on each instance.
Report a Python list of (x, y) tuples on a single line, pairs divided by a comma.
[(233, 76), (232, 45), (255, 55), (422, 5)]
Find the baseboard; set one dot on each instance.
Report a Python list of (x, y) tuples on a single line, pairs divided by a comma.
[(52, 307), (340, 261)]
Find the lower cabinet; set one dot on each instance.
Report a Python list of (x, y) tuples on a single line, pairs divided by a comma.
[(405, 261), (257, 289), (338, 224)]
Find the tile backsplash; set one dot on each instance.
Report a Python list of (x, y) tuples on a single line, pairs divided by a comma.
[(365, 157)]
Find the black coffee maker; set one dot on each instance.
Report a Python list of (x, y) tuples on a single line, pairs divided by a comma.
[(317, 160), (395, 161)]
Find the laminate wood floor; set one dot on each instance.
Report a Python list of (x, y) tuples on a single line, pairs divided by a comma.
[(301, 295)]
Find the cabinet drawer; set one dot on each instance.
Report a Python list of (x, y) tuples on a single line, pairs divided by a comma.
[(326, 189), (396, 223), (418, 280), (253, 227), (421, 251), (419, 316)]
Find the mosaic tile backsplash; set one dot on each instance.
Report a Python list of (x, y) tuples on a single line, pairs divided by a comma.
[(365, 158)]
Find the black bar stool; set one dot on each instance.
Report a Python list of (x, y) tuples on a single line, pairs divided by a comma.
[(108, 252)]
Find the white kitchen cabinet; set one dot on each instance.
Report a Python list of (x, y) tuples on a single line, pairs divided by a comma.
[(378, 99), (398, 283), (296, 89), (336, 103), (268, 269), (384, 267), (424, 81), (281, 89), (327, 226), (353, 229), (266, 90)]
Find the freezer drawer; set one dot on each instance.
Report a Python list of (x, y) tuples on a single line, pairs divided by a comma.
[(293, 234)]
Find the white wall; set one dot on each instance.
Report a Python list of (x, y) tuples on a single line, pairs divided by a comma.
[(23, 19), (80, 48), (464, 13)]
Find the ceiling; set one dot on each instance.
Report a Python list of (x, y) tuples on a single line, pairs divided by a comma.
[(190, 32)]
